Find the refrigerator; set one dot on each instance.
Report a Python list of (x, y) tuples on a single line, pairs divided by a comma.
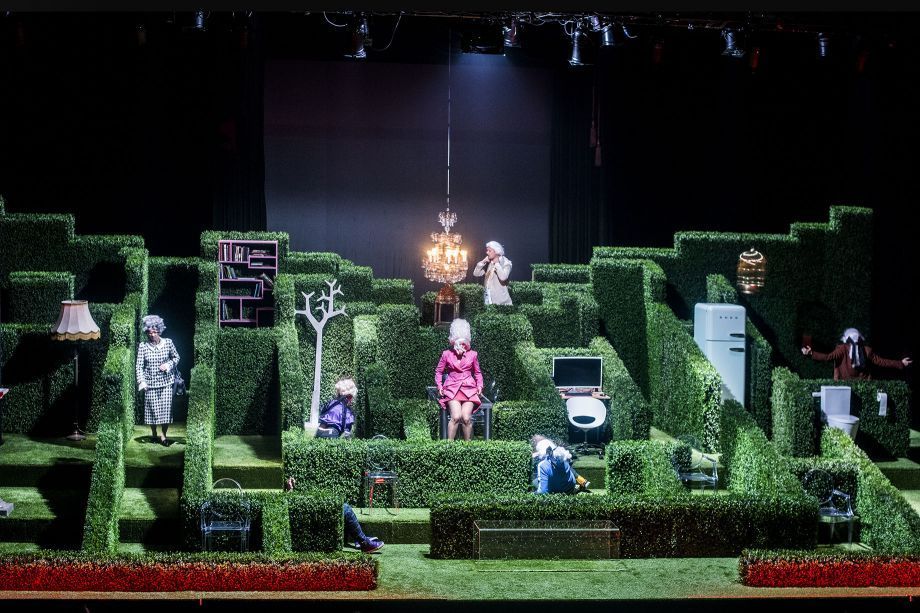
[(718, 329)]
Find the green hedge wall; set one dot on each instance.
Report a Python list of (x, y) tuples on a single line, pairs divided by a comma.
[(206, 315), (27, 237), (209, 240), (495, 335), (312, 522), (759, 469), (561, 273), (643, 468), (425, 469), (197, 474), (690, 526), (795, 420), (39, 373), (629, 415), (518, 420), (624, 289), (392, 291), (292, 385), (35, 297), (100, 531), (888, 522), (246, 382), (409, 353), (796, 413), (814, 285), (686, 388), (314, 262)]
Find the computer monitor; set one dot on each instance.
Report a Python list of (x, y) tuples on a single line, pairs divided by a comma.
[(578, 372)]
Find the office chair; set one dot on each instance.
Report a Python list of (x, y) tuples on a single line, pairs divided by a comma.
[(586, 413)]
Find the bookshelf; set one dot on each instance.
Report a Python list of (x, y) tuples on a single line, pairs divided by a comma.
[(246, 272)]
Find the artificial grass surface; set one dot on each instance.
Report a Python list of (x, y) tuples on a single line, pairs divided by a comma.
[(35, 503), (149, 503), (142, 452), (913, 497), (254, 461)]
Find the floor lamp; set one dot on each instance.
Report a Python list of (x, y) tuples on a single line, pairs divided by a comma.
[(75, 323)]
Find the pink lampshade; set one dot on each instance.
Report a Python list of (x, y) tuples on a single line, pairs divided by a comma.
[(75, 323)]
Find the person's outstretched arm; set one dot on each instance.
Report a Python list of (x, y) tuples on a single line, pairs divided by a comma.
[(886, 362)]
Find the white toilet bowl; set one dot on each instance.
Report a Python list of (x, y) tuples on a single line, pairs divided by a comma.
[(847, 423)]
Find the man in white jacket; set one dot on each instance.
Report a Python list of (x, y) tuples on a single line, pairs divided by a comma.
[(496, 268)]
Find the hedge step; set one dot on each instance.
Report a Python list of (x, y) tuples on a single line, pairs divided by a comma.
[(253, 461), (150, 516), (903, 473), (913, 497), (29, 461), (403, 527), (46, 517)]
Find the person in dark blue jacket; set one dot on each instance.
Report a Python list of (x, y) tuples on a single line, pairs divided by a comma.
[(554, 473)]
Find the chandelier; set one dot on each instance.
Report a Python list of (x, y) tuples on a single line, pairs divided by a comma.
[(446, 262)]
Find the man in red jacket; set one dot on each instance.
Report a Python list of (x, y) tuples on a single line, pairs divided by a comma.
[(852, 357)]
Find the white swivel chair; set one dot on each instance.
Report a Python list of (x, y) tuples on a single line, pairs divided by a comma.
[(586, 413)]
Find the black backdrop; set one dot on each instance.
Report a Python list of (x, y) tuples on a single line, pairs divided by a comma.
[(165, 138)]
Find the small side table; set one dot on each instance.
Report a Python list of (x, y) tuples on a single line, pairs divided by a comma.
[(374, 479)]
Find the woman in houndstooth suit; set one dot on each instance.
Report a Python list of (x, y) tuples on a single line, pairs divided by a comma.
[(157, 360)]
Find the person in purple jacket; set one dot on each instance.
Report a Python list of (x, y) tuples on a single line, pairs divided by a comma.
[(337, 418), (459, 390)]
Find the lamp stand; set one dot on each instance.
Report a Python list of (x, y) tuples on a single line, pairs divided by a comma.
[(77, 434)]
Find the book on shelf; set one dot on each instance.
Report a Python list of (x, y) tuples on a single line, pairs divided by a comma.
[(259, 252), (224, 310), (257, 291), (269, 283)]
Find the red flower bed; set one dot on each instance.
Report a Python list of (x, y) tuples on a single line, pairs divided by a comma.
[(846, 570), (136, 575)]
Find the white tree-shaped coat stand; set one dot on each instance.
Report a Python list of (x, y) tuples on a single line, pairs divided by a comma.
[(327, 312)]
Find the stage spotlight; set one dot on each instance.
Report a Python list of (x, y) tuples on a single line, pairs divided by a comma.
[(732, 47), (358, 38), (510, 32), (579, 39), (483, 38), (608, 38), (824, 42), (201, 20)]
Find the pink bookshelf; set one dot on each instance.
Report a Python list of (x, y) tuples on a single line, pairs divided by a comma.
[(246, 272)]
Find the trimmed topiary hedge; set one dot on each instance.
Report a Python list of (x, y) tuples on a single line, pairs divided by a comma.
[(392, 291), (35, 297), (246, 382), (561, 273), (641, 467), (690, 526), (425, 469), (887, 521), (519, 420), (796, 414), (758, 469), (799, 300), (686, 388), (310, 263)]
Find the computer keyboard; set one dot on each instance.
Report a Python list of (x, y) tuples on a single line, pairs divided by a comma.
[(579, 392)]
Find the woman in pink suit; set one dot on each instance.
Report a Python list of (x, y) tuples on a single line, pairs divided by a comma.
[(459, 392)]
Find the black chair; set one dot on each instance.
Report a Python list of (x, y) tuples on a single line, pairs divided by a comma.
[(489, 396)]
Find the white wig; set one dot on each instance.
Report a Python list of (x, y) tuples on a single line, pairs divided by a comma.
[(496, 246), (346, 387), (851, 334), (542, 446), (460, 330), (561, 453), (153, 322)]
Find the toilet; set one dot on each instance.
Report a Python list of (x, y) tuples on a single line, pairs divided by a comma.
[(835, 408)]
